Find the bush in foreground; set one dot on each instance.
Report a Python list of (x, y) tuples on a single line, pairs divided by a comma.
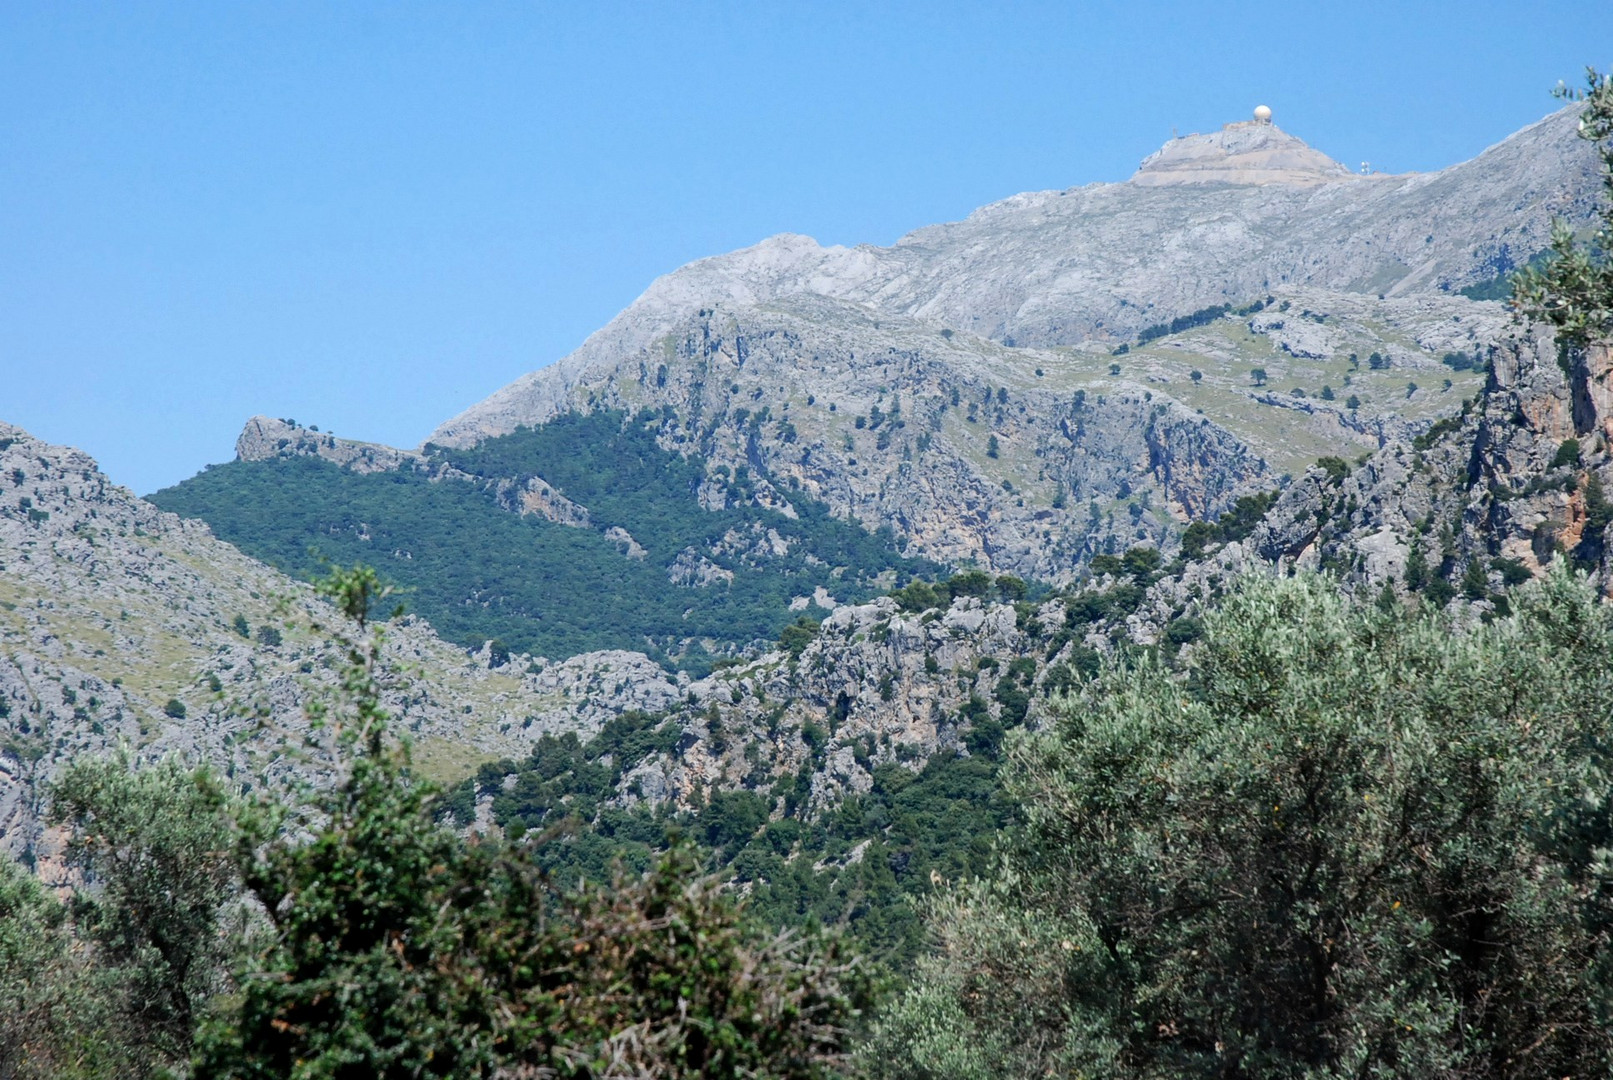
[(401, 949), (1344, 842)]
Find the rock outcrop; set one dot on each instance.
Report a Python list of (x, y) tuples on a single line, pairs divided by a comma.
[(1516, 480), (876, 686), (1251, 152), (263, 438)]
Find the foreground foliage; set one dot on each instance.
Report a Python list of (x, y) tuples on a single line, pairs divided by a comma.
[(798, 868), (357, 936), (1347, 842), (401, 949), (113, 983)]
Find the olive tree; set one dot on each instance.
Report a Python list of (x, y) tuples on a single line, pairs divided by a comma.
[(1344, 841)]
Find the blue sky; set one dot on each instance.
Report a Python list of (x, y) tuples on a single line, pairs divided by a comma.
[(371, 216)]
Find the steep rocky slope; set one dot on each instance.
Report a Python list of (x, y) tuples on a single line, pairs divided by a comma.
[(1076, 452), (1488, 498), (1517, 479), (113, 614), (119, 624), (1020, 460), (1105, 427)]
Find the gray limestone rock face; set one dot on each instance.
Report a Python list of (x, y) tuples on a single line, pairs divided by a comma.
[(1251, 152), (878, 686), (1104, 261), (541, 498), (1507, 486)]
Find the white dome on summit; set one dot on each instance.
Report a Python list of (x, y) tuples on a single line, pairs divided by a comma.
[(1263, 114)]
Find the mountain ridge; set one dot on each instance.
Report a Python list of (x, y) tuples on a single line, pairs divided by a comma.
[(1015, 271)]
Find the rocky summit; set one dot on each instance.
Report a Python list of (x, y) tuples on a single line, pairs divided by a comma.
[(1104, 262), (1252, 152)]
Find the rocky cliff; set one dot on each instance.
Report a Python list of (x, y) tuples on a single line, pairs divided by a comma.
[(1517, 480), (1017, 459)]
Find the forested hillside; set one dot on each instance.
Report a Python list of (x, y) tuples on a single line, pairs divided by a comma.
[(653, 572)]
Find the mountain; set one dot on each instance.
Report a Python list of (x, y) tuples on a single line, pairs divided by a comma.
[(122, 624), (781, 553), (1106, 261)]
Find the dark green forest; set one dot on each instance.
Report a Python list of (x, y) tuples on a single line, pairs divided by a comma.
[(478, 571)]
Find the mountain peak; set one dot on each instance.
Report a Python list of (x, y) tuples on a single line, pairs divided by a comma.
[(1251, 152)]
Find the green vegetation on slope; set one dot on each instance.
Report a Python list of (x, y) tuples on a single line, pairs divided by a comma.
[(478, 571), (1343, 838), (852, 866), (357, 937)]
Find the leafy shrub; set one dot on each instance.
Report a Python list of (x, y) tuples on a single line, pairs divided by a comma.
[(798, 635), (1236, 524), (1350, 841), (1335, 467)]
